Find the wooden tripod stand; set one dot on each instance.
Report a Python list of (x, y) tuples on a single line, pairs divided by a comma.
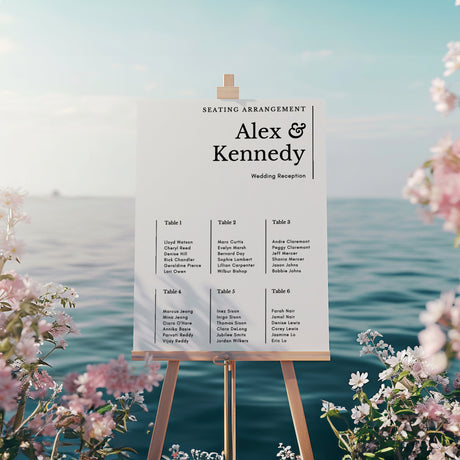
[(167, 395)]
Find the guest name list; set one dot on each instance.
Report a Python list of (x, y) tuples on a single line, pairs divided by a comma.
[(231, 251)]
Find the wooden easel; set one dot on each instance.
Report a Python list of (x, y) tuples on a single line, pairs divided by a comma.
[(228, 361)]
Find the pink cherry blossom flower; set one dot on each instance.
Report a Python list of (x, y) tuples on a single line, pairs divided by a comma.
[(44, 326), (42, 382), (42, 425), (437, 363), (436, 309), (456, 382), (442, 147), (11, 198), (18, 289), (76, 404), (432, 339), (150, 379), (9, 387), (70, 382), (95, 376), (27, 347), (432, 410), (63, 325), (444, 99), (98, 426), (10, 247), (118, 378), (453, 420), (418, 187), (88, 383)]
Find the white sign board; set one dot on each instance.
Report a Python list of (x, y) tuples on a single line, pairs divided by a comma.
[(231, 247)]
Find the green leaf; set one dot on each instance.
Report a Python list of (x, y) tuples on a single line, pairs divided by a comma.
[(404, 411), (386, 449), (5, 345), (369, 454), (6, 276), (401, 376), (332, 413), (428, 383), (104, 409)]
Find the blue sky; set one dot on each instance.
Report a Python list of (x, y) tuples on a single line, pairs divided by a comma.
[(71, 72)]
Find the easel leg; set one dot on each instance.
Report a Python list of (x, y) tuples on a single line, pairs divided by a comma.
[(164, 409), (298, 416), (233, 399), (229, 410), (226, 411)]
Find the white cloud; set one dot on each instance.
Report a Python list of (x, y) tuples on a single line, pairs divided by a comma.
[(150, 86), (6, 46), (6, 18), (140, 67), (186, 93), (66, 111), (318, 54)]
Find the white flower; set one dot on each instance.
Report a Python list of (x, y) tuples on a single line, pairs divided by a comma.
[(441, 452), (452, 58), (441, 96), (386, 374), (443, 146), (366, 350), (358, 380), (363, 337), (327, 406), (359, 412), (452, 66)]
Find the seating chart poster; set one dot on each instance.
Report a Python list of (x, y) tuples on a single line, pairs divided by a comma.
[(231, 234)]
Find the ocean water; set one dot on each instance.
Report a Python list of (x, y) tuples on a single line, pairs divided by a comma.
[(384, 265)]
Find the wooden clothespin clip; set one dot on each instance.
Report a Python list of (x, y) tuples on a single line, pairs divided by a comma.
[(229, 90)]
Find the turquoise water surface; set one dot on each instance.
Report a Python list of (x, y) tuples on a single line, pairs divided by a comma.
[(384, 265)]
